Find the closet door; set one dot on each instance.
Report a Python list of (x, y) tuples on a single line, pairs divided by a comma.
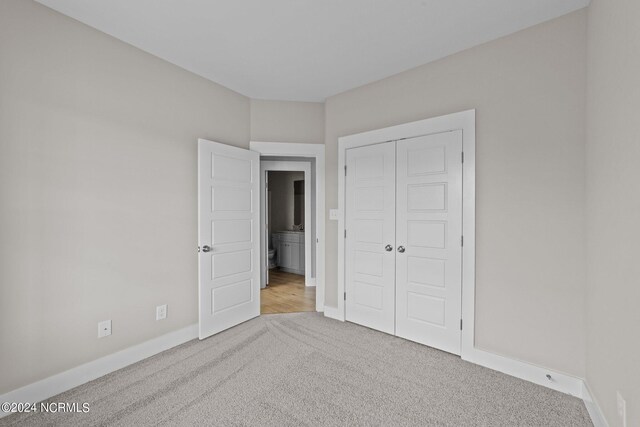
[(428, 248), (370, 235)]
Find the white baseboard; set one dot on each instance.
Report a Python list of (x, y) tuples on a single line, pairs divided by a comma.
[(597, 417), (333, 313), (564, 383), (74, 377), (526, 371)]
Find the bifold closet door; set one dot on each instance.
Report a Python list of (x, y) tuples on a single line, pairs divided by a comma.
[(428, 240), (370, 233)]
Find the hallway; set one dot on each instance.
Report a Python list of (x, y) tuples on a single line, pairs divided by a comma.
[(286, 293)]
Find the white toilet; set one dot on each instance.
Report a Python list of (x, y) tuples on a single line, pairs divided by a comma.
[(272, 258)]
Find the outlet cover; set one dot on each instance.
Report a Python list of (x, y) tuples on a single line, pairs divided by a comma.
[(161, 312), (104, 328)]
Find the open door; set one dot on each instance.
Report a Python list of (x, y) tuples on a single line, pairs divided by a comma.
[(228, 234)]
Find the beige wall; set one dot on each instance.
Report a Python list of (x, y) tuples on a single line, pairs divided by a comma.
[(287, 121), (613, 206), (98, 190), (529, 92)]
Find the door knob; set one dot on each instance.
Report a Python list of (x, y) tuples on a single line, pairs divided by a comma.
[(401, 249), (388, 248), (206, 248)]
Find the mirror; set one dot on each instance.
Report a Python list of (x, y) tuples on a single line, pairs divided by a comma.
[(298, 204), (285, 208)]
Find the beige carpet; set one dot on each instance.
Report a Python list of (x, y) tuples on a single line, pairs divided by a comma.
[(304, 369)]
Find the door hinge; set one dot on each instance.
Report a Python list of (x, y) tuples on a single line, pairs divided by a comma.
[(461, 240), (345, 296), (463, 157), (460, 324), (345, 170), (345, 233)]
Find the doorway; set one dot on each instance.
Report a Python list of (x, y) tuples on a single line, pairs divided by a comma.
[(233, 245), (288, 233), (314, 156)]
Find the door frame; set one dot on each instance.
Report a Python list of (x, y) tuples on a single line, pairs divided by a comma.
[(285, 166), (317, 152), (465, 121)]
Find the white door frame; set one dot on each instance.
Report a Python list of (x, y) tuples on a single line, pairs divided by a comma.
[(316, 151), (465, 121), (286, 166)]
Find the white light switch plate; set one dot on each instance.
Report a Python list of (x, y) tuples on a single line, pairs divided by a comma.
[(334, 214), (104, 328)]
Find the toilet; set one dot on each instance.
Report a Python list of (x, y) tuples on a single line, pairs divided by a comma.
[(272, 258)]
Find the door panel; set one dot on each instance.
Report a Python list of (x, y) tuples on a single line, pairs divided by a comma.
[(429, 226), (370, 223), (228, 223)]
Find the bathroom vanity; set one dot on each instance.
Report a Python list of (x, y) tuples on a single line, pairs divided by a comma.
[(289, 247)]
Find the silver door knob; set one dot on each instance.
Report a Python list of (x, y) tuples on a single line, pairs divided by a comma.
[(401, 249), (388, 248), (206, 248)]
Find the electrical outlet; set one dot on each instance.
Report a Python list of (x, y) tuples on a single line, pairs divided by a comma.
[(104, 328), (622, 408), (161, 312)]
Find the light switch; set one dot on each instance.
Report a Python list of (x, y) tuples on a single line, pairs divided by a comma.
[(334, 214)]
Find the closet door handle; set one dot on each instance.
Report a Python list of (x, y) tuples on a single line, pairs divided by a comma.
[(388, 248), (401, 249)]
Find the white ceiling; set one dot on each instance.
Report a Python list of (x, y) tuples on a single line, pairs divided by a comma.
[(307, 50)]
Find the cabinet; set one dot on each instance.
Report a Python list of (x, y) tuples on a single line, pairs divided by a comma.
[(289, 251)]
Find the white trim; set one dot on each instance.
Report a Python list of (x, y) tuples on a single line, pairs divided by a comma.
[(79, 375), (267, 166), (526, 371), (317, 151), (464, 121), (596, 414), (332, 313)]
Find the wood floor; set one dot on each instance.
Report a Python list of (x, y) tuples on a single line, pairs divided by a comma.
[(286, 293)]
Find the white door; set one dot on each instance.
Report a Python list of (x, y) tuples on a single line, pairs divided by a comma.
[(228, 232), (370, 228), (428, 240)]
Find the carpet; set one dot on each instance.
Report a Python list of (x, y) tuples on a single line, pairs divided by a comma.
[(304, 369)]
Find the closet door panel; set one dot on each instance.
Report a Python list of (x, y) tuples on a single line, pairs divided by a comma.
[(429, 228), (370, 225)]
